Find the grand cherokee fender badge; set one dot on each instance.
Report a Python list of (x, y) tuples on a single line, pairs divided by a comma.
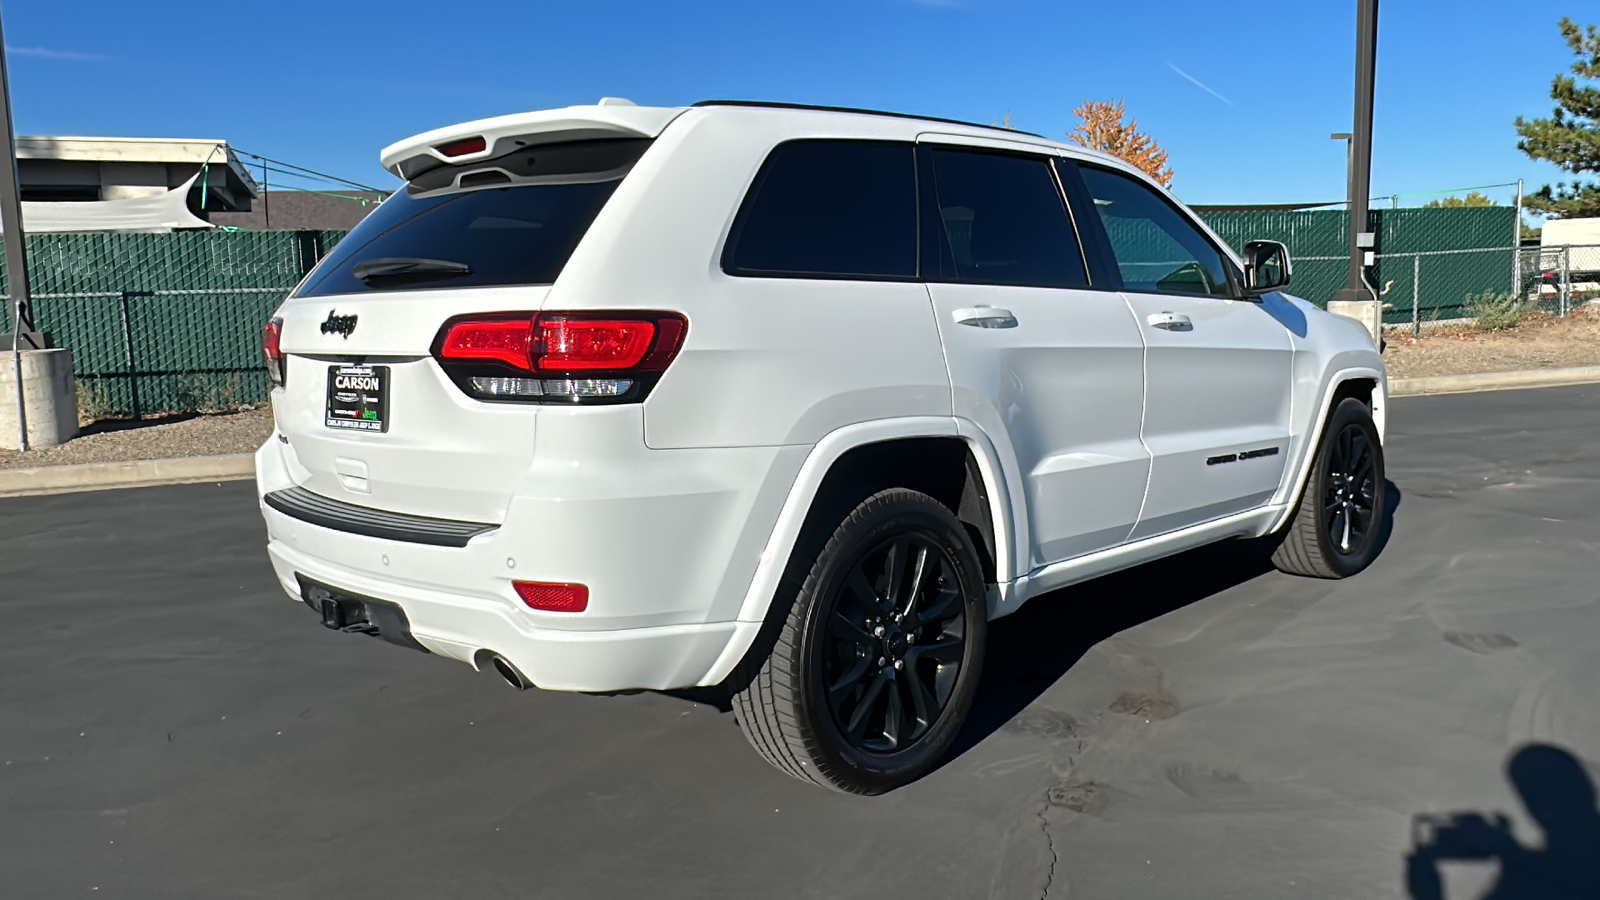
[(340, 325), (1240, 457)]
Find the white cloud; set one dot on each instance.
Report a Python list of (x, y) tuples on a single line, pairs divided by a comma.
[(47, 53), (1200, 84)]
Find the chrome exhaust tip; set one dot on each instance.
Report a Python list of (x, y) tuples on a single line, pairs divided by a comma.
[(503, 667)]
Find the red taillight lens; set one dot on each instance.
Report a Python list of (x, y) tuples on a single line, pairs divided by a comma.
[(585, 345), (552, 597), (271, 352), (507, 340), (463, 147), (577, 357)]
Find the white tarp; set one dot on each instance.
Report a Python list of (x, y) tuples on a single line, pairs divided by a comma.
[(159, 212)]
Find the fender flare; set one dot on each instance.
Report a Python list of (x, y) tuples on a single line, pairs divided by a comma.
[(827, 451), (1330, 387)]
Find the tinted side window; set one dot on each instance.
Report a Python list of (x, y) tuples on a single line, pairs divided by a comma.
[(1158, 250), (1004, 222), (829, 208)]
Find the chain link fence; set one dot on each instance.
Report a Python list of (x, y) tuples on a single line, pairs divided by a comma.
[(165, 322), (1558, 280), (171, 322), (1430, 264)]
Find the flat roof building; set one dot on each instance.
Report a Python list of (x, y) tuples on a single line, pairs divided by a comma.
[(78, 169)]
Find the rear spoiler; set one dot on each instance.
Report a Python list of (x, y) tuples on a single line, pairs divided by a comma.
[(489, 138)]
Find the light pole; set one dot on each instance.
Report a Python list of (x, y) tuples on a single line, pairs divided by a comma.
[(1349, 159), (1360, 157), (16, 248)]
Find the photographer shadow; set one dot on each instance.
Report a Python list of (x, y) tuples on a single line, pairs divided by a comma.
[(1559, 795)]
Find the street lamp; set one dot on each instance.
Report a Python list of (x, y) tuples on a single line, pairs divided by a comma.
[(1349, 158)]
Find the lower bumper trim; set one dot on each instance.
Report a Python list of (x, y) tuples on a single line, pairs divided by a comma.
[(355, 614)]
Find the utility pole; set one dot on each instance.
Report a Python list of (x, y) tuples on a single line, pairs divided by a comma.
[(1360, 175), (16, 248)]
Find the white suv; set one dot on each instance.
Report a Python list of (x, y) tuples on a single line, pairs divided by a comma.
[(791, 400)]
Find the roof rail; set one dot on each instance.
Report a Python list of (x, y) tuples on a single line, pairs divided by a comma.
[(763, 104)]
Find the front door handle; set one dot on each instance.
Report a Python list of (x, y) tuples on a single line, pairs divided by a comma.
[(985, 317), (1170, 321)]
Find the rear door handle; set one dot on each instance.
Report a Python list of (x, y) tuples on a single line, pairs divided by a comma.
[(1170, 321), (985, 317)]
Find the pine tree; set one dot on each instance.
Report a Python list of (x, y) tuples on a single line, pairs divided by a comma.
[(1101, 127), (1570, 138)]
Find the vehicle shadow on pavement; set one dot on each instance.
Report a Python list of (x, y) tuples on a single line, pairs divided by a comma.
[(1559, 795), (1031, 649)]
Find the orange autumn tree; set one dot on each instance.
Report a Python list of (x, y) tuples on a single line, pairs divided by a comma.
[(1101, 127)]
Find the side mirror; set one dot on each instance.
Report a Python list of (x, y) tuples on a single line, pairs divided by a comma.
[(1266, 267)]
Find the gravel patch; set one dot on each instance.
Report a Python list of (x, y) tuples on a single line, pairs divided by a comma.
[(1541, 343), (167, 437)]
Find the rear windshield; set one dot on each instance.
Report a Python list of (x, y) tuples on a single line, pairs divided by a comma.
[(510, 221)]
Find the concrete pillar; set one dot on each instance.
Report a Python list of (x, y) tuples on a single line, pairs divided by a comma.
[(1363, 311), (50, 397)]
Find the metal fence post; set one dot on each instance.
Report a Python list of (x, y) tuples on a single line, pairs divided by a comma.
[(127, 343), (1516, 245), (1566, 274), (1416, 292)]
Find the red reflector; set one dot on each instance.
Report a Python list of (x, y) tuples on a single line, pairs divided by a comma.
[(271, 350), (463, 147), (271, 337), (553, 597), (507, 340), (572, 345)]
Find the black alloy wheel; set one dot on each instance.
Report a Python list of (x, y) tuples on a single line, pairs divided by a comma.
[(1351, 490), (867, 677), (1337, 526), (894, 644)]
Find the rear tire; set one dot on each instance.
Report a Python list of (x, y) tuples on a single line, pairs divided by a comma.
[(1336, 526), (876, 664)]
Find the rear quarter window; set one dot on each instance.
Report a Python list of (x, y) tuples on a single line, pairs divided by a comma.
[(843, 209), (514, 220)]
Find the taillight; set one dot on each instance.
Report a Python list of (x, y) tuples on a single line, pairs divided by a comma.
[(570, 357), (271, 352), (552, 597)]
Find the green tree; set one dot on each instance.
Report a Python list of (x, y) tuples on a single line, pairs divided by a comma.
[(1570, 138), (1473, 198)]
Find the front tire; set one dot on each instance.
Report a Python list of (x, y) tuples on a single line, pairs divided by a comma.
[(1336, 527), (875, 667)]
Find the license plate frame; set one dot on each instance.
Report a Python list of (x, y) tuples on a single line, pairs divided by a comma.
[(358, 398)]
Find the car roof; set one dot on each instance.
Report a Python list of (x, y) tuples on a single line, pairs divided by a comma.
[(616, 117)]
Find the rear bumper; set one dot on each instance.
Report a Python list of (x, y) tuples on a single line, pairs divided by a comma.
[(459, 626), (667, 542)]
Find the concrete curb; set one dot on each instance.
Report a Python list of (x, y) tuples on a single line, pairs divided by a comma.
[(1493, 381), (132, 473)]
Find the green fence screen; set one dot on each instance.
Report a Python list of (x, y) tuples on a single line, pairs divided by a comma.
[(172, 322), (1440, 257), (165, 322)]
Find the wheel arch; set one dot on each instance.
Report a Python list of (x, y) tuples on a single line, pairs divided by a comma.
[(936, 455), (1361, 382)]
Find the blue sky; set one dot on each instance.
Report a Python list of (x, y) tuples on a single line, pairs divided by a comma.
[(1243, 95)]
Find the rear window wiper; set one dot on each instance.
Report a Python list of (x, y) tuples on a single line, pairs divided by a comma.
[(408, 268)]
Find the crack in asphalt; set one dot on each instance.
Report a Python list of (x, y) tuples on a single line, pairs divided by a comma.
[(1050, 842)]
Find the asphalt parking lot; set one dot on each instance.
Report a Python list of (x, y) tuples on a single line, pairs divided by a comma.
[(171, 725)]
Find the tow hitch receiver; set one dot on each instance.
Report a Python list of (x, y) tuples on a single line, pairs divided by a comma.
[(355, 614)]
